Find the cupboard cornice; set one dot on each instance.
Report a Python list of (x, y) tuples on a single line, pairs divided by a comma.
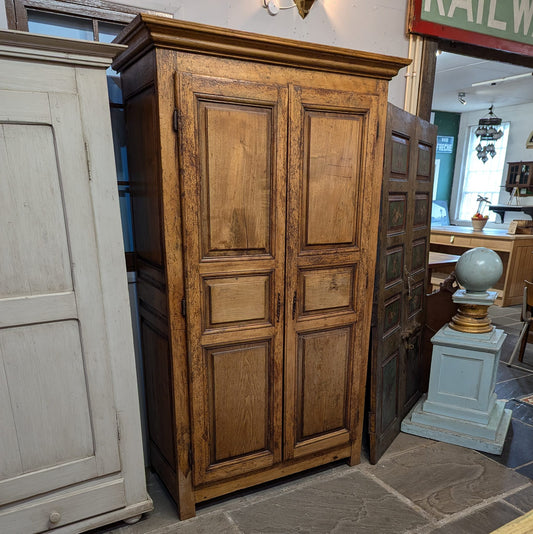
[(148, 31)]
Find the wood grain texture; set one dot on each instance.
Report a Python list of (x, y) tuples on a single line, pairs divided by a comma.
[(251, 272), (399, 294)]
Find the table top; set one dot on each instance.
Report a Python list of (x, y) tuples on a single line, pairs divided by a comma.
[(485, 233)]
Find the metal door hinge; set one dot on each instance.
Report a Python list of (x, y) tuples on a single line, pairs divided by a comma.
[(175, 120), (183, 307)]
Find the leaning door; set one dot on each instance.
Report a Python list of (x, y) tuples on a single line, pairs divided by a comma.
[(329, 246), (401, 276), (57, 418), (233, 186)]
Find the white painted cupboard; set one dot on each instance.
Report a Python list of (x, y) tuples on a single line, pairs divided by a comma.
[(70, 441)]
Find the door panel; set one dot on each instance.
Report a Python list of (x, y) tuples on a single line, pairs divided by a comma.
[(54, 356), (234, 176), (399, 295), (239, 400), (327, 130)]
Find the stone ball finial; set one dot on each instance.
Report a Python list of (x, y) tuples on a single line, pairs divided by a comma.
[(478, 269)]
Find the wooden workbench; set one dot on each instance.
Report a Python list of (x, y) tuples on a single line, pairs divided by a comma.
[(516, 252)]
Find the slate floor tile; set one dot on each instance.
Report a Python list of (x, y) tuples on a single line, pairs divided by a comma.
[(444, 479), (515, 388), (523, 499), (507, 373), (350, 504), (518, 446), (526, 470), (483, 521), (405, 442), (522, 411)]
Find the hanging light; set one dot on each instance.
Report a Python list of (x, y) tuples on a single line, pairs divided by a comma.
[(488, 132)]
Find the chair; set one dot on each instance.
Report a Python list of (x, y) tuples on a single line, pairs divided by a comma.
[(527, 317)]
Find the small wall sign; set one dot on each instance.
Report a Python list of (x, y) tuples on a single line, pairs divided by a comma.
[(444, 144)]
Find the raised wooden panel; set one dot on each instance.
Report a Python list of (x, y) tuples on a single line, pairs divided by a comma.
[(416, 298), (323, 359), (157, 377), (392, 314), (418, 254), (400, 156), (237, 299), (397, 213), (327, 289), (389, 392), (393, 265), (235, 143), (420, 216), (34, 244), (144, 175), (425, 156), (239, 400), (332, 152), (47, 359)]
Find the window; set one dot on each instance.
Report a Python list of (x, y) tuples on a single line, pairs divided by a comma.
[(480, 178), (93, 20)]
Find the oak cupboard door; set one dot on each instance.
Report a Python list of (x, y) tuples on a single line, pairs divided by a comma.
[(397, 362), (233, 145), (331, 144), (56, 395)]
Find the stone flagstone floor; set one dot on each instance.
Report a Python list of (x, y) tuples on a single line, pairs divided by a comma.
[(419, 486)]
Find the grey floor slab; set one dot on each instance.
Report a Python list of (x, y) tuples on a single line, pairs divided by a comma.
[(444, 479), (523, 499), (348, 504), (483, 521)]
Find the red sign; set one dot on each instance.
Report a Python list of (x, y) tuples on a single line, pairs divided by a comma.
[(497, 24)]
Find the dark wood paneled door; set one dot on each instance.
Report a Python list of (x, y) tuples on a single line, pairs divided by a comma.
[(329, 133), (401, 276), (234, 193)]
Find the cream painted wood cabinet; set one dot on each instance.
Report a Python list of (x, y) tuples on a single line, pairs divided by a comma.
[(70, 444), (256, 175)]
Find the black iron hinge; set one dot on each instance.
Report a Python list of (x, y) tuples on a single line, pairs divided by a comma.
[(184, 307), (175, 120)]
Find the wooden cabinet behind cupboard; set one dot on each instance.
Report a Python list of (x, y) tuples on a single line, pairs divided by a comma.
[(256, 167)]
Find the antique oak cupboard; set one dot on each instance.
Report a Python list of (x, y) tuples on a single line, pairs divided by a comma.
[(256, 168)]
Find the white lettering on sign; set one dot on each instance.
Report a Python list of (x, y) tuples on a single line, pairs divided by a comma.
[(523, 9), (462, 4), (492, 22), (480, 9), (440, 6)]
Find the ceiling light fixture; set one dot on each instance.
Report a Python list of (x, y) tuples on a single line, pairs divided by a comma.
[(461, 97), (506, 79), (488, 133)]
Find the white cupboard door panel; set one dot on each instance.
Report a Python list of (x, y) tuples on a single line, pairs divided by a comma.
[(47, 359), (57, 409), (35, 256)]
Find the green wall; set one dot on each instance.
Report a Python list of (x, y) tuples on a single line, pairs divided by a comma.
[(448, 124)]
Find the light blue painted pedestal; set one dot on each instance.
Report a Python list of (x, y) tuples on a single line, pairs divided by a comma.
[(461, 406)]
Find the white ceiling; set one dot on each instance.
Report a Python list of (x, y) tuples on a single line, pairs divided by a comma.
[(455, 73)]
